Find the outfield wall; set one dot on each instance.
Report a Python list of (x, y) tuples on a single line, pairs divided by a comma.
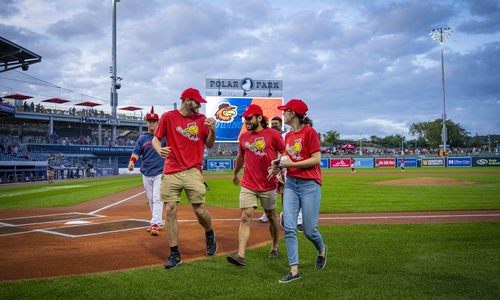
[(221, 164)]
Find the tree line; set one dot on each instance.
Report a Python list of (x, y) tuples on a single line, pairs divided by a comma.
[(426, 135)]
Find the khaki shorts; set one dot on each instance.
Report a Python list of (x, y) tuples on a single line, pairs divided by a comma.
[(249, 198), (189, 180)]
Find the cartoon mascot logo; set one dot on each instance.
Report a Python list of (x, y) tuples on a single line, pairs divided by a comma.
[(257, 147), (294, 150), (191, 131), (226, 112)]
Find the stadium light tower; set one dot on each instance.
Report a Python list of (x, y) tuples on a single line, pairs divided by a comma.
[(114, 79), (440, 35)]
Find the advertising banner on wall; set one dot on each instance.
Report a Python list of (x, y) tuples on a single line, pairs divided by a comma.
[(385, 162), (363, 163), (432, 162), (219, 164), (409, 162), (340, 163), (459, 161), (487, 161), (227, 112), (325, 163)]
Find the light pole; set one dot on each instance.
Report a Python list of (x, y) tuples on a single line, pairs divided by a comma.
[(115, 84), (440, 35)]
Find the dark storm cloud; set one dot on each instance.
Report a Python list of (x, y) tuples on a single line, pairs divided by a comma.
[(82, 24), (413, 18), (9, 8), (486, 17)]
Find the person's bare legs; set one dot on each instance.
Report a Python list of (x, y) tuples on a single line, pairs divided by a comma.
[(203, 216), (244, 229), (172, 224), (273, 227)]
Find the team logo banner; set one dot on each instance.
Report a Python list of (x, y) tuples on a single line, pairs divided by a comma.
[(459, 162), (387, 162), (486, 162), (219, 164), (227, 112), (324, 163), (363, 163), (409, 162), (432, 162), (340, 163)]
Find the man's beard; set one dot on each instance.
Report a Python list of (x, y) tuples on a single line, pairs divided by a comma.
[(251, 126)]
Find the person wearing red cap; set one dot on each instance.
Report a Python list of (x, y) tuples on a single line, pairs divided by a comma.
[(187, 132), (302, 186), (259, 146), (151, 170)]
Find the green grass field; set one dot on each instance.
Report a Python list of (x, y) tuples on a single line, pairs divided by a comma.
[(438, 261), (425, 261)]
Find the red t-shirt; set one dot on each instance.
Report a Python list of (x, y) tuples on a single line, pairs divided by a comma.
[(258, 150), (300, 146), (186, 136)]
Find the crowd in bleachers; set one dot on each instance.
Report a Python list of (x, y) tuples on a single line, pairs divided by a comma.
[(72, 111), (12, 149)]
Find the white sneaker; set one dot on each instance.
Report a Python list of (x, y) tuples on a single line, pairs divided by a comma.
[(263, 219)]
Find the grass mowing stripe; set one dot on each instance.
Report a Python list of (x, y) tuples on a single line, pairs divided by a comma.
[(446, 261), (64, 193)]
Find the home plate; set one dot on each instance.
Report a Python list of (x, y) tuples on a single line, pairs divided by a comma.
[(77, 222)]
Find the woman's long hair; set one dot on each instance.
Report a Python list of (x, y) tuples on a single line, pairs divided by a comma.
[(304, 120), (263, 122)]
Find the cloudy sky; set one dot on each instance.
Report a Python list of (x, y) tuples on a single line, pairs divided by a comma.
[(364, 67)]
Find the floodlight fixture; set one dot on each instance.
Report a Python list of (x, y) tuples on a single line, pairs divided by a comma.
[(440, 35)]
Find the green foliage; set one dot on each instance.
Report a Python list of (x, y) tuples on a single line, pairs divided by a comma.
[(330, 138), (424, 261), (431, 132)]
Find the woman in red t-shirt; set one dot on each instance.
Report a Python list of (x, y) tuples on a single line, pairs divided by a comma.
[(303, 185)]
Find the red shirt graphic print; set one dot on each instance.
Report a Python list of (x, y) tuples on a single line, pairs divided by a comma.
[(186, 136), (258, 150), (300, 146)]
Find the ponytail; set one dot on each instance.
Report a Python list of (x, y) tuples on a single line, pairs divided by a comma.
[(304, 120)]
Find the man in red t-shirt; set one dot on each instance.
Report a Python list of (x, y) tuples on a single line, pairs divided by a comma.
[(186, 132), (259, 146)]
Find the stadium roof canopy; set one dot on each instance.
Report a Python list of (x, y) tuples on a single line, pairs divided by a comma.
[(13, 56), (131, 108), (88, 103), (56, 100), (17, 96)]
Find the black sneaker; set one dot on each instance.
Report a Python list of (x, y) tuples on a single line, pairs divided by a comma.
[(321, 260), (300, 228), (273, 254), (235, 259), (211, 244), (173, 260), (289, 278)]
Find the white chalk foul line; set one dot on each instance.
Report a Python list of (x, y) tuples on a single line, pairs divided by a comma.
[(116, 203), (408, 217)]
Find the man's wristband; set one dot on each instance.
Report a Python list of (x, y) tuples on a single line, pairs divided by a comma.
[(133, 159)]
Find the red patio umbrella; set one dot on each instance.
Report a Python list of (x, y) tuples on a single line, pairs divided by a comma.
[(56, 100), (88, 103), (348, 146), (131, 108), (17, 96)]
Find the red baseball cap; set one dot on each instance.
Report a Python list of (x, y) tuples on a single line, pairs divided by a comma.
[(252, 110), (194, 94), (152, 115), (295, 105)]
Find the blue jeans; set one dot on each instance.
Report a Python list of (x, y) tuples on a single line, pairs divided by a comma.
[(306, 194)]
